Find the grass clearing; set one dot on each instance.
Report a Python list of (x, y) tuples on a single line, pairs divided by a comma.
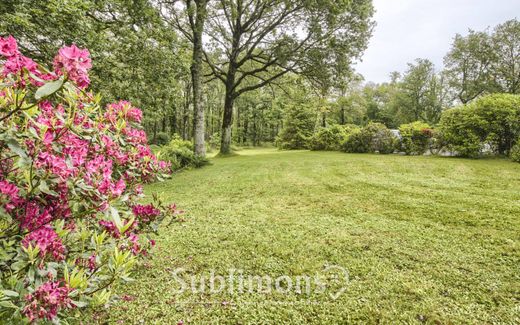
[(424, 239)]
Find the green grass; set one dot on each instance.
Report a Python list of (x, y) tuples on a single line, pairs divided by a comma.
[(424, 239)]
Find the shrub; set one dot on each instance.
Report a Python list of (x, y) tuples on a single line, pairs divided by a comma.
[(383, 141), (330, 138), (437, 143), (415, 138), (298, 128), (214, 142), (180, 154), (356, 142), (492, 121), (70, 177), (375, 137), (515, 152), (161, 139)]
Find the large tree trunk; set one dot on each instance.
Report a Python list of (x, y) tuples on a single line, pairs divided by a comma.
[(196, 68), (227, 120)]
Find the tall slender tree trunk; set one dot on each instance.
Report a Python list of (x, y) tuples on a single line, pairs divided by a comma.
[(244, 134), (154, 131), (196, 68), (238, 129), (173, 122)]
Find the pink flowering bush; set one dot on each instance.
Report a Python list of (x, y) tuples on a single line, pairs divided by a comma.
[(70, 177)]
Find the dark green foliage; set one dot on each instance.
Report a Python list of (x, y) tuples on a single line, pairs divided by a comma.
[(161, 139), (298, 128), (331, 138), (515, 152), (375, 137), (415, 138), (357, 142), (180, 153), (437, 142), (492, 121)]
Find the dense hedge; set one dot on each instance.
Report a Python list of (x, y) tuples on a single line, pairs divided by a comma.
[(491, 122), (375, 137), (331, 138), (415, 138)]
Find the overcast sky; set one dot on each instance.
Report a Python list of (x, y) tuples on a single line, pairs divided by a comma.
[(410, 29)]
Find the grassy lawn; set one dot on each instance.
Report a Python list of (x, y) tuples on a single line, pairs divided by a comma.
[(424, 239)]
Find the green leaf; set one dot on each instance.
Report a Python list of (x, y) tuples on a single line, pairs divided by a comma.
[(115, 216), (79, 304), (45, 188), (10, 293), (48, 89), (15, 147), (8, 304)]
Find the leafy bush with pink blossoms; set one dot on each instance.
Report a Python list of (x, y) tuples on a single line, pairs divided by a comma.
[(70, 178)]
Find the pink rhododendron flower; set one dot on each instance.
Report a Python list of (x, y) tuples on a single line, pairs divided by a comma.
[(76, 63), (145, 213), (111, 228), (46, 301), (135, 114), (16, 63), (124, 110), (134, 239), (92, 262), (117, 188), (8, 47), (34, 217), (8, 189), (9, 198), (49, 243)]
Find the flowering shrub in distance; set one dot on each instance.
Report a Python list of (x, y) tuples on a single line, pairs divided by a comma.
[(70, 177)]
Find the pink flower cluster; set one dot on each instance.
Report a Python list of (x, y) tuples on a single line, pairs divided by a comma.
[(49, 243), (16, 63), (125, 110), (47, 300), (145, 213), (75, 62), (110, 228), (9, 197), (71, 60)]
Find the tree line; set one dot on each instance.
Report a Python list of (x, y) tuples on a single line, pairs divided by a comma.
[(220, 72), (189, 63), (479, 63)]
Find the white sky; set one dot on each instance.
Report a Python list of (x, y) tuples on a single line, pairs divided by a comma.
[(410, 29)]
